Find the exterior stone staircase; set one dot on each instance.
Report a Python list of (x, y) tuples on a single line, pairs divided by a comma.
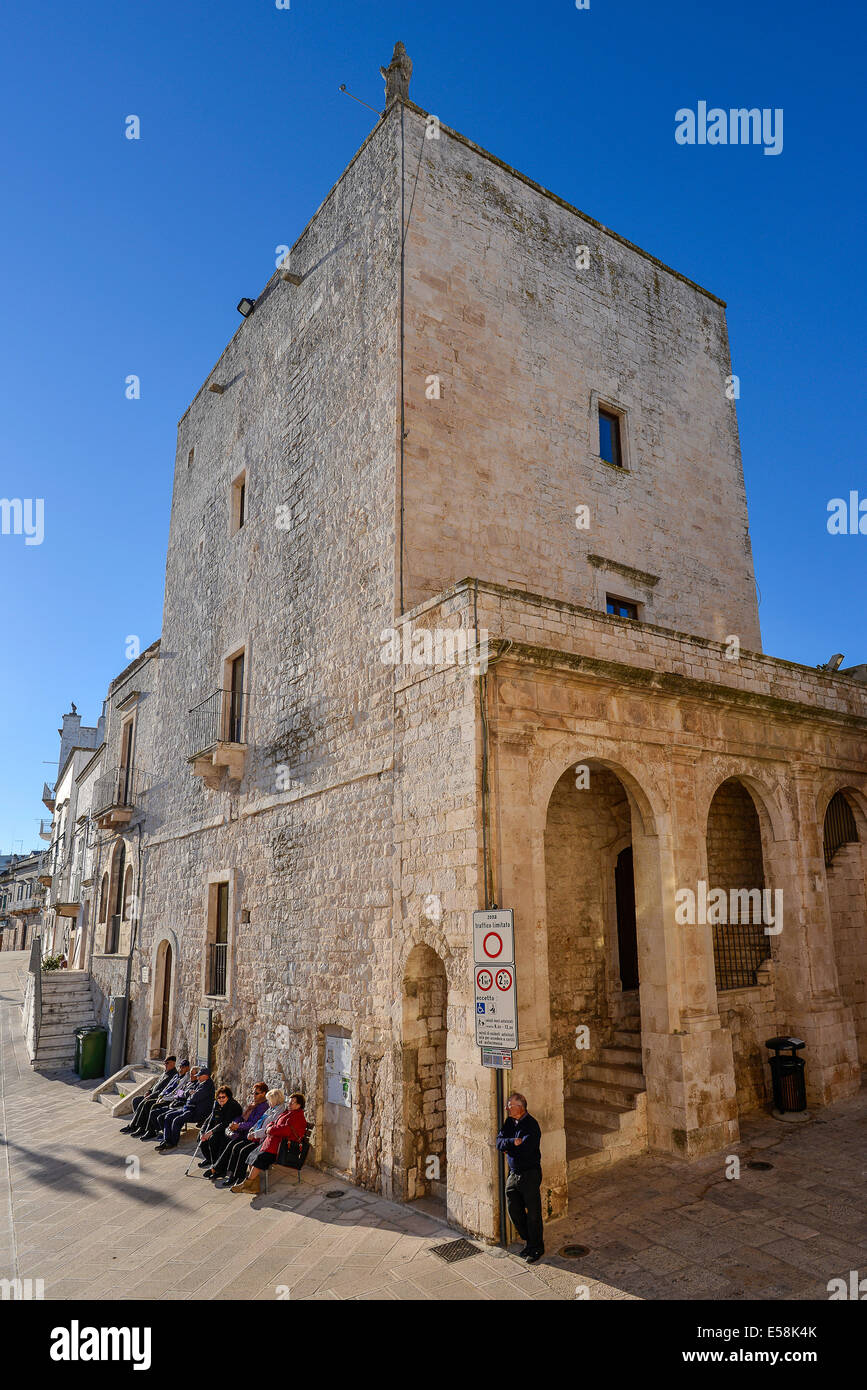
[(116, 1092), (66, 1005), (606, 1111)]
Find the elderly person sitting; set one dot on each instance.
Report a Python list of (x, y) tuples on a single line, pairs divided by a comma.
[(235, 1158), (213, 1136), (291, 1125), (232, 1134)]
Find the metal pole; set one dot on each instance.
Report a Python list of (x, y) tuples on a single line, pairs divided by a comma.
[(501, 1165)]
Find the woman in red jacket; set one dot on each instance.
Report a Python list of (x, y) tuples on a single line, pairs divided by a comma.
[(291, 1125)]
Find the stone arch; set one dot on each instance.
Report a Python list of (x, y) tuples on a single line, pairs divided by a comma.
[(164, 965), (424, 1046), (592, 751), (597, 1010)]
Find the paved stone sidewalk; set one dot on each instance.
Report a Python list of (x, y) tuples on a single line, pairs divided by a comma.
[(661, 1229), (89, 1231), (655, 1228)]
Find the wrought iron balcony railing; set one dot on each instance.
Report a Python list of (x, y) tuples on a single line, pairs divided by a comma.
[(116, 790), (218, 719)]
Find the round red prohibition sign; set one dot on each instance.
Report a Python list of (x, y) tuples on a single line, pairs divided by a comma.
[(503, 980), (484, 980), (496, 947)]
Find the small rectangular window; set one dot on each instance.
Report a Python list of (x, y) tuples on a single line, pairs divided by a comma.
[(609, 438), (621, 607), (239, 502), (190, 457)]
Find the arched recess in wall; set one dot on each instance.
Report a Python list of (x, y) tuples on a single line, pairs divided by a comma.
[(742, 865), (606, 963), (424, 1045), (844, 841), (164, 963)]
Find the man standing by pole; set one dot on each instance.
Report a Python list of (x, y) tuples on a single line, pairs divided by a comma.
[(519, 1139)]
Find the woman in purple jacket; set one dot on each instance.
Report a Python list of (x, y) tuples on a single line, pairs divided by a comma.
[(235, 1132)]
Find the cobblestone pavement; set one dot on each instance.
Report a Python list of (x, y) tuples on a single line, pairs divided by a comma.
[(655, 1228)]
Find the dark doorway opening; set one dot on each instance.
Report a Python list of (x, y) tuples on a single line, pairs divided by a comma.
[(164, 1007), (627, 938)]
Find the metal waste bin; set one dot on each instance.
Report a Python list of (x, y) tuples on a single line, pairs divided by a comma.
[(90, 1051), (787, 1074)]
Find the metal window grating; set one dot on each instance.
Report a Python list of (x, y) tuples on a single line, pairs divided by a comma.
[(455, 1250), (840, 828)]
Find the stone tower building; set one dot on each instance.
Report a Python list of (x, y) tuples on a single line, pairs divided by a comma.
[(463, 407)]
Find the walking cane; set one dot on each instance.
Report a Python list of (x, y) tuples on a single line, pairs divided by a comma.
[(196, 1150)]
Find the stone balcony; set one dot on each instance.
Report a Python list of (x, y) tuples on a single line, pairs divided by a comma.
[(114, 798), (218, 737)]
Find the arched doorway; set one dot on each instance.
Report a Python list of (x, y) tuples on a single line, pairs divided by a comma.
[(736, 865), (847, 904), (161, 1014), (593, 963), (425, 997)]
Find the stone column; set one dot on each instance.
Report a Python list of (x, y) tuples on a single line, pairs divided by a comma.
[(688, 1060), (808, 989), (520, 884)]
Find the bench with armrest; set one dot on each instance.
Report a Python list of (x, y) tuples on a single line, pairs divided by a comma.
[(291, 1154)]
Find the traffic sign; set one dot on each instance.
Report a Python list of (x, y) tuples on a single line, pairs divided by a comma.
[(496, 1006), (494, 937), (499, 1057)]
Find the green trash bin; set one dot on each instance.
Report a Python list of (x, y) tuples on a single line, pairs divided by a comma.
[(90, 1051)]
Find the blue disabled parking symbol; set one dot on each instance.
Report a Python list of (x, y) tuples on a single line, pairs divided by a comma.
[(480, 1007)]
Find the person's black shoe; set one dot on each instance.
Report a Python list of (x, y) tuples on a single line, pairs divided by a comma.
[(205, 1163), (522, 1254), (161, 1147), (126, 1129), (535, 1256)]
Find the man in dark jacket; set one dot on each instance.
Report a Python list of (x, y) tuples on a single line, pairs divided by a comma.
[(199, 1103), (150, 1115), (170, 1073), (520, 1139)]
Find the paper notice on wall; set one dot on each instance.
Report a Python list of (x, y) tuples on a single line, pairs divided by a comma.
[(338, 1067)]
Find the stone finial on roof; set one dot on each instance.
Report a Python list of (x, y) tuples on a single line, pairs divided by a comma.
[(397, 74)]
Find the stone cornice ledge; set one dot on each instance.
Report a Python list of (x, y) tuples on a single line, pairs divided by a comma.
[(671, 683)]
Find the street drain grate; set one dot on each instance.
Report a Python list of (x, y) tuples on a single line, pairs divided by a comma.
[(759, 1166), (335, 1192), (575, 1252), (455, 1250)]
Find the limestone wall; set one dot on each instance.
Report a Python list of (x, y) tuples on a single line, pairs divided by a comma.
[(525, 346)]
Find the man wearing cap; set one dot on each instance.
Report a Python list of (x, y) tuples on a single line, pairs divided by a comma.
[(199, 1104), (169, 1075), (147, 1117)]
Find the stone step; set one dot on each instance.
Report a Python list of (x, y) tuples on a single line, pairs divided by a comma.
[(140, 1074), (618, 1073), (619, 1053), (625, 1095), (601, 1114), (108, 1099), (628, 1037), (581, 1159)]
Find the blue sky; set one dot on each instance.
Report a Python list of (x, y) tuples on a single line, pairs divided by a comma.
[(128, 257)]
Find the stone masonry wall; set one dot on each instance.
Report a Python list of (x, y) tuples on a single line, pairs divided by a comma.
[(524, 346), (305, 587), (581, 829), (848, 903)]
